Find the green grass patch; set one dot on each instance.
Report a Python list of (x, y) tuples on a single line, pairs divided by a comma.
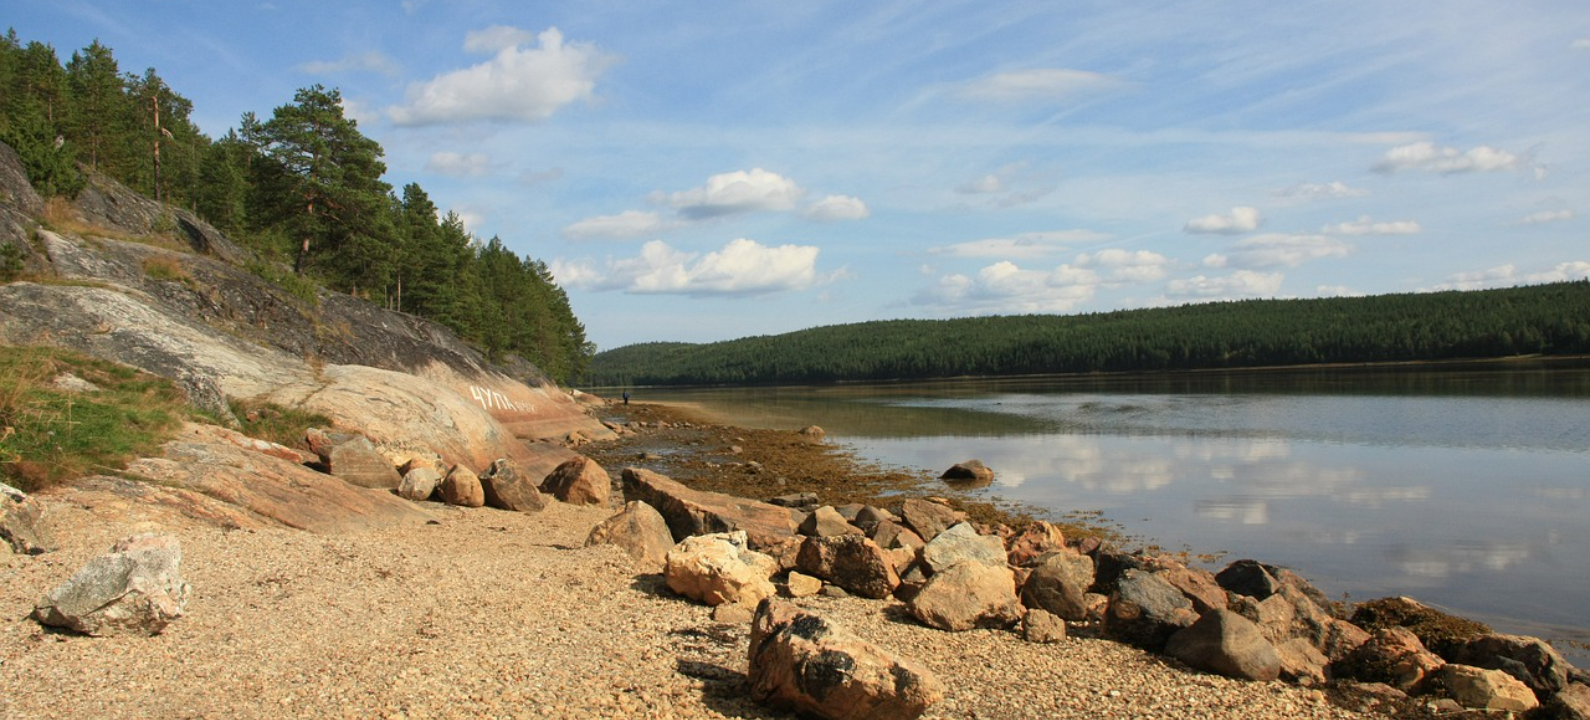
[(280, 425), (50, 435)]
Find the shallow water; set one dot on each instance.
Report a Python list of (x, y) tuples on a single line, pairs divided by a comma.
[(1466, 489)]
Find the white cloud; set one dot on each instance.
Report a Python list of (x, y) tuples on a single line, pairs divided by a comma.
[(627, 224), (1508, 275), (985, 185), (495, 39), (1240, 284), (1023, 245), (1005, 287), (737, 192), (1277, 250), (1546, 216), (1337, 291), (459, 165), (1034, 84), (1365, 226), (1580, 44), (371, 61), (1427, 157), (743, 267), (1321, 191), (1241, 220), (838, 207), (1127, 266), (519, 84)]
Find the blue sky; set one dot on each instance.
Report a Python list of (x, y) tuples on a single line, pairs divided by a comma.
[(709, 170)]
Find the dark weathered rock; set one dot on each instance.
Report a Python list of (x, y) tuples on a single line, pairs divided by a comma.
[(928, 518), (795, 500), (1573, 703), (970, 472), (966, 596), (1392, 655), (24, 523), (801, 662), (1059, 584), (506, 487), (579, 481), (695, 512), (1197, 584), (1145, 611), (1249, 577), (890, 535), (827, 522), (959, 544), (851, 562), (640, 531), (1440, 632), (1529, 659), (1226, 643), (136, 588)]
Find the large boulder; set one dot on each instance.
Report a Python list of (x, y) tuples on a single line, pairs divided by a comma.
[(1226, 643), (23, 523), (1529, 659), (697, 512), (961, 543), (890, 535), (1146, 611), (354, 459), (1392, 655), (1483, 689), (505, 486), (135, 589), (1573, 703), (419, 484), (928, 518), (825, 521), (966, 596), (971, 473), (640, 531), (1059, 584), (803, 663), (851, 562), (579, 481), (462, 487), (720, 569)]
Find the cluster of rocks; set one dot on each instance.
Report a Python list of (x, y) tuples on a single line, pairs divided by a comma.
[(1250, 620)]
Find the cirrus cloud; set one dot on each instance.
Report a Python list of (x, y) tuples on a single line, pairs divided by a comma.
[(1023, 245), (1321, 191), (519, 84), (1366, 226), (741, 268), (1034, 84)]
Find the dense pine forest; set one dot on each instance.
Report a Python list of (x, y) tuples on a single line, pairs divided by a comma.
[(303, 188), (1542, 319)]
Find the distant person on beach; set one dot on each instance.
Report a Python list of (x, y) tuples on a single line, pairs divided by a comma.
[(626, 397)]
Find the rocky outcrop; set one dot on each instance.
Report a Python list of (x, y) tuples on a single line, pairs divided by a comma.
[(136, 588), (506, 487), (801, 662), (695, 512), (966, 596), (1059, 584), (640, 531), (720, 569), (1145, 611), (927, 518), (825, 521), (959, 544), (1528, 659), (1226, 643), (851, 562)]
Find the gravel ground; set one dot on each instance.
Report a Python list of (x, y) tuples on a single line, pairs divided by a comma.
[(490, 614)]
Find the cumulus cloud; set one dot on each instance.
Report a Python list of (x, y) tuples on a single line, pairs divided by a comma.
[(1036, 84), (1427, 157), (495, 39), (1509, 275), (1321, 191), (1005, 287), (1023, 245), (1126, 266), (1546, 216), (1241, 220), (1278, 250), (519, 83), (838, 207), (627, 224), (738, 192), (1240, 284), (459, 165), (369, 62), (741, 268), (1366, 226)]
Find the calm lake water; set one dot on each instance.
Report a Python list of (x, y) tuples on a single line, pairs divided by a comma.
[(1469, 490)]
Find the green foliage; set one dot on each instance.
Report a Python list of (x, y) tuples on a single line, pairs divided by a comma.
[(10, 262), (1543, 319), (50, 435), (281, 425), (303, 288)]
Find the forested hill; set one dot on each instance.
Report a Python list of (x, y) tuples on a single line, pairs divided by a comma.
[(302, 189), (1549, 319)]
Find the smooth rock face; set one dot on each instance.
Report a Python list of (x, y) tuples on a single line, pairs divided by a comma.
[(579, 481), (961, 543), (24, 524), (1226, 643), (1059, 584), (719, 568), (506, 487), (801, 662), (827, 522), (136, 589), (462, 487), (694, 512), (419, 484), (966, 596), (355, 460), (640, 531), (851, 562), (1483, 689), (1145, 611)]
